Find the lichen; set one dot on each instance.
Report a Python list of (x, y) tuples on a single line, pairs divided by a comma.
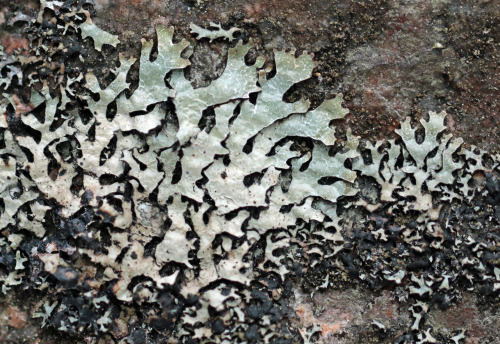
[(199, 206), (217, 32), (100, 37)]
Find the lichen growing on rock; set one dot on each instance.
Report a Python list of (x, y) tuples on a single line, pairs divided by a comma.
[(192, 213)]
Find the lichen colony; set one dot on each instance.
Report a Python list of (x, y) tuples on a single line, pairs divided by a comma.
[(192, 213)]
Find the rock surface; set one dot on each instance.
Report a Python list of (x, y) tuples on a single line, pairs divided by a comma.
[(390, 59)]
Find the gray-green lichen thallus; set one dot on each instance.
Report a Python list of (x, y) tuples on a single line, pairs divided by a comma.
[(192, 214)]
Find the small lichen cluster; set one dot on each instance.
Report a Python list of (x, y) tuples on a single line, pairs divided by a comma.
[(193, 209)]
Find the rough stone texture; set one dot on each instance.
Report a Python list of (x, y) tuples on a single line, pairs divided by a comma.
[(347, 316), (480, 320), (390, 59)]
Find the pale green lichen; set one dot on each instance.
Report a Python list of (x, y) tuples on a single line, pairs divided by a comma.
[(249, 182), (99, 36)]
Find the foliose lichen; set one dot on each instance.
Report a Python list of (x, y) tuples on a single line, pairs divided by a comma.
[(194, 209)]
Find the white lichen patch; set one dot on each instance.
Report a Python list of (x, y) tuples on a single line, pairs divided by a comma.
[(216, 32), (428, 166)]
